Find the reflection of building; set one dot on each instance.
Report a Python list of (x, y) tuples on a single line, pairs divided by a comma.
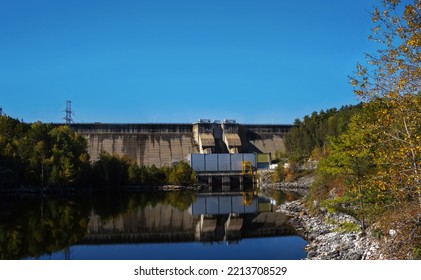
[(210, 218), (222, 204), (233, 216)]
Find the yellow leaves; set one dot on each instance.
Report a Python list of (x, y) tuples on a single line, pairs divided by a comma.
[(361, 71), (402, 83), (415, 40), (376, 15), (353, 82), (359, 92), (393, 53)]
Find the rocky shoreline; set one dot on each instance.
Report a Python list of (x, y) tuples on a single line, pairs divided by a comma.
[(331, 236)]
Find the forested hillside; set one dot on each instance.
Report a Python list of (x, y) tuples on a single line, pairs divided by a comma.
[(371, 153), (310, 136)]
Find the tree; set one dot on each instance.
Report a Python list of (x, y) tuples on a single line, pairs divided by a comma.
[(393, 80), (181, 174), (350, 164), (311, 134), (39, 154), (279, 173), (390, 85), (111, 171), (68, 157), (395, 69)]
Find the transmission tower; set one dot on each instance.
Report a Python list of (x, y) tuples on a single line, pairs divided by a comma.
[(68, 117)]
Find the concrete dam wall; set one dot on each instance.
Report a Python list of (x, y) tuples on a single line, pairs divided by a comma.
[(146, 144), (163, 144)]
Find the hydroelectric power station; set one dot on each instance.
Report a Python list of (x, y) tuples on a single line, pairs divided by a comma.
[(219, 151)]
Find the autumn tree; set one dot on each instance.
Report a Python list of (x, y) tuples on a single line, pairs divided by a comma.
[(392, 79)]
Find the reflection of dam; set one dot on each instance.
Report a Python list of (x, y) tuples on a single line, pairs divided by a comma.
[(209, 218), (160, 223)]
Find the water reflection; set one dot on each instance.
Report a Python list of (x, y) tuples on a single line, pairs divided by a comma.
[(39, 227), (32, 227)]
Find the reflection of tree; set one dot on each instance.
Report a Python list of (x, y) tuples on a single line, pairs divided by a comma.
[(108, 205), (35, 228), (279, 197), (180, 200), (282, 196)]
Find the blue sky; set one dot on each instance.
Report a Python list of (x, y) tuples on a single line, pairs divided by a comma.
[(256, 61)]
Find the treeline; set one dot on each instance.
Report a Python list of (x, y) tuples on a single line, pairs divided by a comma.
[(114, 171), (41, 154), (309, 137), (50, 155)]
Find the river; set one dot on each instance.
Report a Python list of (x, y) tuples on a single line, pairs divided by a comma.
[(175, 225)]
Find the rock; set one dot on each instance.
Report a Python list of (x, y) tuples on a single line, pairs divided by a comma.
[(311, 254), (353, 256), (392, 233)]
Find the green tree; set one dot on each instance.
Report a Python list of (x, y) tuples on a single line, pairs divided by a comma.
[(68, 155), (181, 174), (311, 134), (40, 154), (111, 171), (134, 175), (350, 163), (279, 173)]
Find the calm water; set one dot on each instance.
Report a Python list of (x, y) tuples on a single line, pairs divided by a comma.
[(163, 225)]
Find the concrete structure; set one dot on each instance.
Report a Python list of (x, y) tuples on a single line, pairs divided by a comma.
[(147, 144), (264, 138), (163, 144)]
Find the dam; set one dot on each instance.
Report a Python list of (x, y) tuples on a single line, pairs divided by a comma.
[(163, 144)]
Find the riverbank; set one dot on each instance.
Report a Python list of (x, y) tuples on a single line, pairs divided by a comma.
[(331, 236)]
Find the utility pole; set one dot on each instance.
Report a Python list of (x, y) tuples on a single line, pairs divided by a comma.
[(68, 117)]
